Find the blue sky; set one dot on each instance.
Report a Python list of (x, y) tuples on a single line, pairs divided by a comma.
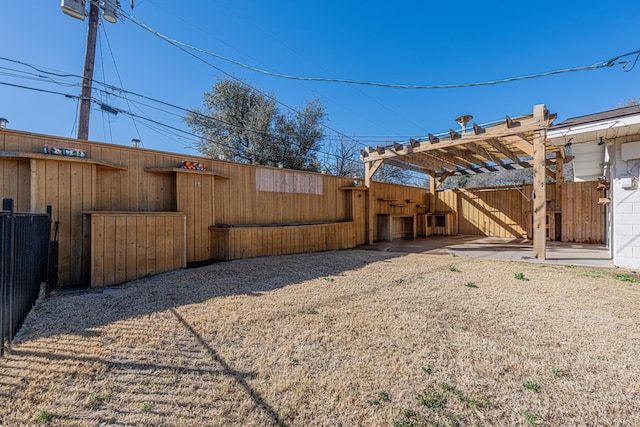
[(411, 42)]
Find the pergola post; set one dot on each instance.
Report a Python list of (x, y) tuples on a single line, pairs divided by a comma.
[(369, 170), (539, 187), (559, 182), (432, 191), (432, 202)]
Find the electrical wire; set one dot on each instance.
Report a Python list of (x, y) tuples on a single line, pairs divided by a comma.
[(121, 93), (115, 66), (229, 75), (105, 118), (115, 90), (610, 63), (362, 140), (344, 107), (196, 137), (53, 92)]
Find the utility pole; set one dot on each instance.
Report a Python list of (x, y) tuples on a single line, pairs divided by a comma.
[(87, 77)]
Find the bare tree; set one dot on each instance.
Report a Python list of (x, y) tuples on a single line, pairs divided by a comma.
[(630, 102), (392, 175), (344, 159)]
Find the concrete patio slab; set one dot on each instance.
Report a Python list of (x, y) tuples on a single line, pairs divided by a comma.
[(498, 248)]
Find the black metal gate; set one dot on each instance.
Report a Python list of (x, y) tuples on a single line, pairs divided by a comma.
[(24, 247)]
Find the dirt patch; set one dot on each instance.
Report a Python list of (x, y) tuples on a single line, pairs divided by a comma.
[(339, 338)]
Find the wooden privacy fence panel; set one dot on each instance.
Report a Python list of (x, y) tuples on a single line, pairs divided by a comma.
[(253, 241), (249, 196), (114, 178), (508, 212), (583, 219), (130, 245), (496, 213)]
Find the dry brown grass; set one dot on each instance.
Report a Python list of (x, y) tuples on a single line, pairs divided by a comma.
[(341, 338)]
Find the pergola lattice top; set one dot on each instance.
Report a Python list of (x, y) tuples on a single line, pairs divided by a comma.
[(503, 146)]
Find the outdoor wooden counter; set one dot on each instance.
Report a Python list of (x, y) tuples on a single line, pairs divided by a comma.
[(245, 241)]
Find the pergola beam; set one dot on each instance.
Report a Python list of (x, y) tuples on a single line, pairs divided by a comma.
[(402, 164), (467, 152), (447, 159), (528, 125), (520, 142), (427, 162), (496, 145)]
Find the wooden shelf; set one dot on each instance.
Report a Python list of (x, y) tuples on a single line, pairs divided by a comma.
[(360, 187), (42, 156), (387, 200), (182, 170), (397, 205)]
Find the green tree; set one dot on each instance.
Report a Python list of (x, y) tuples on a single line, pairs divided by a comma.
[(239, 123), (299, 137)]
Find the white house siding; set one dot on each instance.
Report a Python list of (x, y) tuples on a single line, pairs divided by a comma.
[(626, 208)]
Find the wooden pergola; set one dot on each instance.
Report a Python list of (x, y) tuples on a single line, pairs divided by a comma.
[(515, 143)]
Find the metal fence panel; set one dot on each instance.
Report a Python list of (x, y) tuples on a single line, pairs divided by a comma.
[(24, 245)]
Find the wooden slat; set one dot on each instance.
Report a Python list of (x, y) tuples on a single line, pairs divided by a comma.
[(131, 250), (97, 252), (76, 220), (108, 242), (126, 245), (120, 248)]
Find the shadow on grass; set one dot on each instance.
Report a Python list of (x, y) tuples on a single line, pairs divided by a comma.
[(79, 313), (239, 377), (66, 316)]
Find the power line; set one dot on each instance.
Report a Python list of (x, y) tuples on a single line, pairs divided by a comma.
[(339, 104), (229, 75), (115, 65), (116, 89), (66, 95), (164, 125), (610, 63)]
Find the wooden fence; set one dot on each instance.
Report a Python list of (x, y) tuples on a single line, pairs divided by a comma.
[(127, 182), (507, 212), (129, 245), (115, 187), (252, 241)]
